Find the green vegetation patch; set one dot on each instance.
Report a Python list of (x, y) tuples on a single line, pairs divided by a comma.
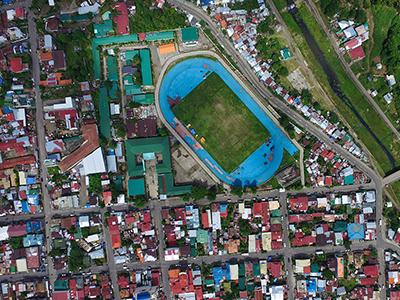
[(358, 101), (148, 19), (230, 130), (383, 17)]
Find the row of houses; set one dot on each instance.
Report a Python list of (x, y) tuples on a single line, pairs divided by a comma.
[(222, 228), (241, 27), (250, 279), (332, 219), (133, 236)]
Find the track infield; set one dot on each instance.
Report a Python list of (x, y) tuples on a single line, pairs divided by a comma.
[(231, 131)]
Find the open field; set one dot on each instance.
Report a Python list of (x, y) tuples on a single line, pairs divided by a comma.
[(349, 90), (383, 17), (231, 131)]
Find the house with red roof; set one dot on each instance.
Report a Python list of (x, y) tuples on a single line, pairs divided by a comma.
[(371, 270), (121, 20), (16, 65), (299, 204), (115, 234), (275, 269)]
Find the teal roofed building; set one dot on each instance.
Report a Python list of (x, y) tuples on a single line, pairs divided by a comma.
[(136, 187), (190, 35), (139, 151), (112, 68), (139, 147), (286, 54), (160, 36), (113, 92), (103, 29), (129, 55), (105, 119), (145, 64), (144, 99), (202, 236)]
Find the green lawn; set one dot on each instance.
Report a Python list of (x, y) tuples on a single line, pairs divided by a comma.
[(383, 16), (356, 98), (231, 131)]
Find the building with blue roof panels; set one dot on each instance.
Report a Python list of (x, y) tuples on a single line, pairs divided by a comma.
[(355, 231), (33, 226), (33, 240), (145, 65), (312, 286), (143, 296), (218, 275)]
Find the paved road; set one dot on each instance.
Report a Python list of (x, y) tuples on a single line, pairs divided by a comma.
[(110, 259), (297, 118), (22, 276), (314, 10), (392, 178), (260, 89), (33, 39)]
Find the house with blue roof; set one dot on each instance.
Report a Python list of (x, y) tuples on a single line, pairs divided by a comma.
[(218, 275), (311, 286), (355, 231), (33, 240), (33, 226)]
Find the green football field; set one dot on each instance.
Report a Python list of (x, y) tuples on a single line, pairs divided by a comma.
[(230, 130)]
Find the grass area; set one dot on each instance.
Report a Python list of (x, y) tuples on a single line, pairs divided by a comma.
[(393, 191), (356, 98), (230, 130), (383, 16)]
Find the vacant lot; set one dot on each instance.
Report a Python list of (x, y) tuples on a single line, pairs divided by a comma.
[(383, 17), (231, 131)]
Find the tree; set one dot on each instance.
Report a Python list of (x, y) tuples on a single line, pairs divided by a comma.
[(199, 191), (75, 259), (361, 16), (237, 190), (95, 186), (329, 7), (244, 227), (327, 274), (16, 242), (55, 252), (306, 96), (212, 193)]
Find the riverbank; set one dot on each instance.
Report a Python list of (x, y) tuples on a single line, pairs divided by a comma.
[(363, 120)]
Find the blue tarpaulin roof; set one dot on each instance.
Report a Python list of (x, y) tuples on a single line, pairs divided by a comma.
[(355, 231)]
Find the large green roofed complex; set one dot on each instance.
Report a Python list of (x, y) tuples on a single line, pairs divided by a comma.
[(135, 148), (231, 131), (157, 148)]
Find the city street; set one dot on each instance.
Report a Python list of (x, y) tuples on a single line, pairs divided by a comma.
[(261, 92)]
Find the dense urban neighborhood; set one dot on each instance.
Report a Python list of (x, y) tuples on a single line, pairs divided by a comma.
[(209, 149)]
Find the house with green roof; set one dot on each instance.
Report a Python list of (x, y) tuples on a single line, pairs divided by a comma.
[(159, 36), (103, 29), (190, 35)]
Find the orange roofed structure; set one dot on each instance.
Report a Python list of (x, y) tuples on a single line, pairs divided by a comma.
[(167, 49), (90, 143)]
